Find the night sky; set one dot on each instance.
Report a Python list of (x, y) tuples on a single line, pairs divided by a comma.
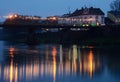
[(45, 8)]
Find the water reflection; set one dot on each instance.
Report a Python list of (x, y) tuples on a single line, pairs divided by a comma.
[(54, 52), (10, 72), (53, 61), (11, 51), (49, 63)]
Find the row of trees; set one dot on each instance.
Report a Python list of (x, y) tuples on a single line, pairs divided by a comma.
[(115, 5)]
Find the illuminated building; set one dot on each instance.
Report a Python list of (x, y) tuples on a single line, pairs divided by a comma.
[(84, 17), (22, 19)]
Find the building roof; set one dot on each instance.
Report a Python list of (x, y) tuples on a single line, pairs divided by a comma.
[(87, 11), (115, 13)]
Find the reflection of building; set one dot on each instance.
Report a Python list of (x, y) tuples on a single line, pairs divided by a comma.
[(84, 17), (84, 61), (114, 16), (49, 61)]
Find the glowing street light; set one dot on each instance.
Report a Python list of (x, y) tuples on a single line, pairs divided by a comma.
[(10, 16), (54, 18), (15, 15)]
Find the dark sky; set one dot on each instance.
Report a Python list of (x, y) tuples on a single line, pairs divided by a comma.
[(48, 7)]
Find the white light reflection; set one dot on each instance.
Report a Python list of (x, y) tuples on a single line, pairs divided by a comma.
[(60, 68)]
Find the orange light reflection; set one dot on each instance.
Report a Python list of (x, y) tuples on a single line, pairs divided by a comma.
[(76, 62), (16, 73), (11, 51), (54, 52), (90, 63), (11, 71)]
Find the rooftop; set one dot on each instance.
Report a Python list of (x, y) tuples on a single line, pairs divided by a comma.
[(87, 11)]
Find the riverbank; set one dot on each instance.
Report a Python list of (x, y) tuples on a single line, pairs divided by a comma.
[(96, 36)]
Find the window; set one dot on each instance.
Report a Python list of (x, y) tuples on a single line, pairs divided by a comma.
[(96, 17), (85, 17), (102, 19), (90, 19)]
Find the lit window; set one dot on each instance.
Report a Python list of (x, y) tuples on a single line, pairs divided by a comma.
[(80, 19), (90, 19)]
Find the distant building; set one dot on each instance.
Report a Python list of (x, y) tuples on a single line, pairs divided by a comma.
[(22, 19), (17, 16), (83, 17), (52, 20), (114, 16), (52, 17)]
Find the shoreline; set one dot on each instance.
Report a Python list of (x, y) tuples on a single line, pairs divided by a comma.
[(55, 26), (96, 36), (65, 37)]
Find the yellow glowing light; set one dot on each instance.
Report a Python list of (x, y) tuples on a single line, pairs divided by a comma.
[(54, 52), (53, 18), (16, 73), (10, 16), (91, 63), (90, 19), (54, 69), (97, 23), (11, 70), (74, 53)]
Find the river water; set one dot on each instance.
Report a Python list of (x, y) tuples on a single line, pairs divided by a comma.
[(58, 63)]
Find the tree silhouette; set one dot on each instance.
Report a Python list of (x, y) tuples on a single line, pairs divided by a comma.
[(115, 5)]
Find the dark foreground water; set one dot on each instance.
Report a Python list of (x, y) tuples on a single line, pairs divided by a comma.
[(58, 63)]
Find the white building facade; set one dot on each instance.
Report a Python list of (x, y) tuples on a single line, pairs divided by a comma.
[(84, 17)]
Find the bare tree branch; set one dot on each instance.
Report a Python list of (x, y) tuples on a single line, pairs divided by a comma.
[(115, 5)]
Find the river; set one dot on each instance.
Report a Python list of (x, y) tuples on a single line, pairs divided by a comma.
[(58, 63)]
